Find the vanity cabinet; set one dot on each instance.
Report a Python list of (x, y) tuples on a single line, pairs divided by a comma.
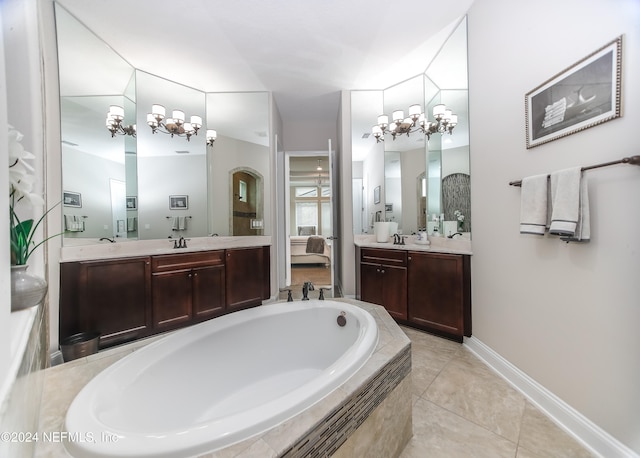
[(187, 288), (426, 290), (439, 293), (129, 298), (247, 277), (383, 280), (112, 297)]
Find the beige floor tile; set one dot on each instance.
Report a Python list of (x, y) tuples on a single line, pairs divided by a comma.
[(440, 433), (541, 437), (473, 392)]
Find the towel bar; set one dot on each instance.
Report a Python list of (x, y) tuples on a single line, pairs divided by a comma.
[(633, 160)]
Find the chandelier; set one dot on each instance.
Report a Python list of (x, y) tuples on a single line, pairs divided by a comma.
[(444, 122), (175, 125), (115, 116)]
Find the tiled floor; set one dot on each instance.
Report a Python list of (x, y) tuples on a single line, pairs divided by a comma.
[(463, 409)]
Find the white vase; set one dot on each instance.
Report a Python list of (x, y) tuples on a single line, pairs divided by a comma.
[(26, 290)]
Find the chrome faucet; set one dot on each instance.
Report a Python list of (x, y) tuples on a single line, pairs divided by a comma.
[(306, 287)]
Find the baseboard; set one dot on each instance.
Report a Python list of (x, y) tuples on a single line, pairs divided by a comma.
[(570, 420)]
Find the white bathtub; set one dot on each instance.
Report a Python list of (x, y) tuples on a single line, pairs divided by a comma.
[(219, 382)]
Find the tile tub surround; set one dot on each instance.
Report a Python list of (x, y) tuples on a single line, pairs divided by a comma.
[(91, 249), (456, 245), (62, 383), (21, 405)]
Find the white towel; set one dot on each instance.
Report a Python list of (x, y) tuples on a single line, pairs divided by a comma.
[(565, 201), (175, 225), (182, 223), (583, 227), (533, 205), (131, 224)]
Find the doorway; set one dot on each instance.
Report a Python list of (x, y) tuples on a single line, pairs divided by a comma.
[(309, 223), (246, 202)]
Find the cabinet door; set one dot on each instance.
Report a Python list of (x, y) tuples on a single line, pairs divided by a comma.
[(394, 290), (114, 299), (171, 299), (244, 277), (436, 292), (208, 292), (371, 283)]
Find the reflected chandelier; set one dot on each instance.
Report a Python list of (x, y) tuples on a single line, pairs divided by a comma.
[(445, 121), (175, 125), (115, 116)]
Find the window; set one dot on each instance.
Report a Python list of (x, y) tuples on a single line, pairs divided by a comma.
[(313, 207)]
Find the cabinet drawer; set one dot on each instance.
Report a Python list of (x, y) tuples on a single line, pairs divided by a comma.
[(182, 261), (381, 256)]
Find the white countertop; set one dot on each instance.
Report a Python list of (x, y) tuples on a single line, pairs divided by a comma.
[(457, 245), (123, 249)]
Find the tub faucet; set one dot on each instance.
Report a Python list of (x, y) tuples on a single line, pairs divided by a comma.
[(308, 286), (453, 235), (107, 238)]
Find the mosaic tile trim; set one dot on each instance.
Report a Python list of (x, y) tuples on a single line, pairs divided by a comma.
[(335, 428)]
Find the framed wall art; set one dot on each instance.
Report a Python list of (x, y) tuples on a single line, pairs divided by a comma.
[(178, 202), (132, 203), (376, 195), (581, 96), (72, 199)]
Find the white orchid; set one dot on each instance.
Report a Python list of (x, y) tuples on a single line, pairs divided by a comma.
[(21, 181), (21, 173)]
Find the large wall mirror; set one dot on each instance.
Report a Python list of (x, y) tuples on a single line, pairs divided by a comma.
[(417, 177), (151, 185)]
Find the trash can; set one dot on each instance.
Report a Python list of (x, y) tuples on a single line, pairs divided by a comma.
[(79, 345)]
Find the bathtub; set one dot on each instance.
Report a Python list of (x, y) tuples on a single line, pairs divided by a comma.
[(219, 382)]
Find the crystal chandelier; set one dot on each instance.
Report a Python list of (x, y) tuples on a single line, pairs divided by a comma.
[(115, 116), (175, 125), (417, 121)]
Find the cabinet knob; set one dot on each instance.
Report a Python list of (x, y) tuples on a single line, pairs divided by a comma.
[(409, 258), (382, 271)]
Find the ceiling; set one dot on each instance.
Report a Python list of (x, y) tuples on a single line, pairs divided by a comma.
[(304, 52)]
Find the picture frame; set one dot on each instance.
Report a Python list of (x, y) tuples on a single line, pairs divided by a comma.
[(376, 195), (584, 95), (388, 207), (178, 202), (132, 202), (72, 199)]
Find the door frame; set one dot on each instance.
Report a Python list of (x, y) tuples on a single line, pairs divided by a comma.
[(284, 275)]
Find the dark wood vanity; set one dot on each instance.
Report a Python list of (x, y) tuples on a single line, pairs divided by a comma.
[(133, 297), (423, 289)]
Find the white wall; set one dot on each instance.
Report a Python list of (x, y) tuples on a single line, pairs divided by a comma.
[(565, 314)]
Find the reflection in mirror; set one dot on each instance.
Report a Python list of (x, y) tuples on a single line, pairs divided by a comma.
[(435, 173), (153, 167), (170, 165), (368, 160), (448, 155), (93, 77), (404, 160), (239, 154)]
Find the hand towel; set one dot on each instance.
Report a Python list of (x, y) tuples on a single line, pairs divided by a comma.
[(565, 201), (533, 205), (175, 225), (131, 224), (583, 227), (182, 223)]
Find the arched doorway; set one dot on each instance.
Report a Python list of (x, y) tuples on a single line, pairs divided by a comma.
[(246, 206)]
